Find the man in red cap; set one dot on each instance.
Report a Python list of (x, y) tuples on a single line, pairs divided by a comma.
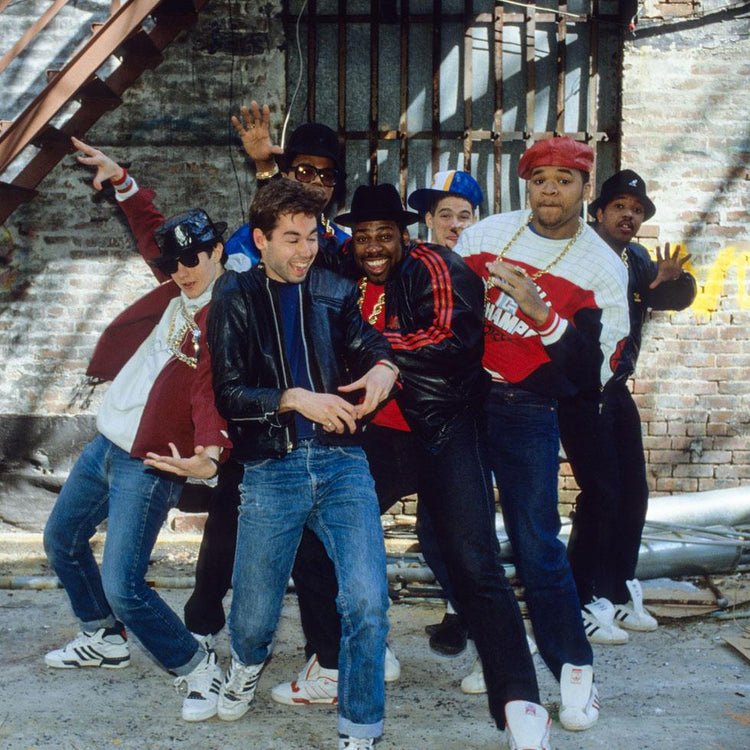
[(601, 432), (555, 312)]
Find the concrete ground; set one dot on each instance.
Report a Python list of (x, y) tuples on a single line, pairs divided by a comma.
[(680, 687)]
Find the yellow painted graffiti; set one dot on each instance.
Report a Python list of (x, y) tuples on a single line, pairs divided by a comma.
[(711, 282)]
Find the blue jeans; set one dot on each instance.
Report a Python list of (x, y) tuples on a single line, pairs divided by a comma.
[(328, 489), (523, 445), (106, 482)]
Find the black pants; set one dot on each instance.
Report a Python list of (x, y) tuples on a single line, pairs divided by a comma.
[(601, 435), (454, 487), (204, 610)]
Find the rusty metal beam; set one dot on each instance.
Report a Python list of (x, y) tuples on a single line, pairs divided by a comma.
[(561, 60), (65, 85), (497, 122), (33, 30)]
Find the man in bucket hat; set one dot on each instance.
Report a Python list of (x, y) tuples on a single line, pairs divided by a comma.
[(602, 434), (311, 157), (158, 408), (555, 312), (429, 306)]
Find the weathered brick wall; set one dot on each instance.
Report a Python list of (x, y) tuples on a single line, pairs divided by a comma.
[(69, 265), (685, 130), (69, 258)]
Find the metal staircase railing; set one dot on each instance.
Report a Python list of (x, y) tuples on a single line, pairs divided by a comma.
[(121, 36)]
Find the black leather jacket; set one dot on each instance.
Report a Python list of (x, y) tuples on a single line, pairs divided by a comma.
[(434, 313), (669, 295), (250, 369)]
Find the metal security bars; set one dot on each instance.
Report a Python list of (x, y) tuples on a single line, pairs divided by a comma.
[(415, 86)]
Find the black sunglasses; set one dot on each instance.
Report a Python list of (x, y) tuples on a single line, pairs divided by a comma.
[(169, 265), (329, 176)]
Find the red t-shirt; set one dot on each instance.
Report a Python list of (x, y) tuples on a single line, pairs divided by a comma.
[(390, 415)]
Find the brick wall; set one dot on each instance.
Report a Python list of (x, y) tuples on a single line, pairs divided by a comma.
[(684, 129), (69, 264)]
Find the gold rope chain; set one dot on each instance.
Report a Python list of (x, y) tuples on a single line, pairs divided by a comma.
[(174, 341), (379, 304), (538, 274)]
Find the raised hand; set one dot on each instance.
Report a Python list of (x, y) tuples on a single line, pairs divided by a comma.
[(254, 130), (668, 267), (106, 168)]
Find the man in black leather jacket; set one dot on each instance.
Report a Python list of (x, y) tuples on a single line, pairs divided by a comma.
[(429, 305), (290, 354), (601, 433)]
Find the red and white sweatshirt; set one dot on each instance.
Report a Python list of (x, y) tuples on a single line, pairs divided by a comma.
[(578, 345)]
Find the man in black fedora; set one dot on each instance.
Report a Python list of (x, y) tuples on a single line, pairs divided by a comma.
[(157, 416), (429, 305), (602, 436)]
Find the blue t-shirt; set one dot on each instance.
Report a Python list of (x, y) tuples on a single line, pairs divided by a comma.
[(295, 344)]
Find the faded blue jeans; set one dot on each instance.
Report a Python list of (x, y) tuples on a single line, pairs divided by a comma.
[(523, 443), (106, 482), (329, 489)]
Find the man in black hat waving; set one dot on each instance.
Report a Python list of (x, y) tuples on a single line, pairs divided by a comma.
[(158, 408), (429, 305), (602, 435), (311, 157)]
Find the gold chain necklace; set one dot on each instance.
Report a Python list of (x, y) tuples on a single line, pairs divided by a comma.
[(174, 340), (538, 274), (379, 304)]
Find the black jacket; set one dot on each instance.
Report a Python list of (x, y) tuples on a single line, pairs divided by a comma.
[(248, 358), (434, 321), (669, 295)]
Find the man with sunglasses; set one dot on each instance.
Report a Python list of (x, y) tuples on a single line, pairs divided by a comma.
[(311, 157), (159, 404)]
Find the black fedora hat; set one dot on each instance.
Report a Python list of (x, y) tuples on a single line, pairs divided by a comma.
[(377, 203), (625, 182), (187, 233)]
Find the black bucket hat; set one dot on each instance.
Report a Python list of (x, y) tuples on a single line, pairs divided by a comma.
[(626, 182), (314, 139), (188, 232), (377, 203)]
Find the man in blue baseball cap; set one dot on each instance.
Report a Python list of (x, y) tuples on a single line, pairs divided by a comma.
[(448, 206)]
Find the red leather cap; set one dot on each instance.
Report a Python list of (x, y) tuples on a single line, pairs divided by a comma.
[(556, 152)]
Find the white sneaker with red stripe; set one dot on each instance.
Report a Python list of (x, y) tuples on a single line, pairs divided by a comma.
[(314, 684), (579, 698), (527, 726)]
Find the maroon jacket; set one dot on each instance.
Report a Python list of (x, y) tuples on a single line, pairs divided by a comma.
[(180, 407)]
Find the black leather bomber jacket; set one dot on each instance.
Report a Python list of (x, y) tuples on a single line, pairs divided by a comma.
[(434, 321), (250, 370)]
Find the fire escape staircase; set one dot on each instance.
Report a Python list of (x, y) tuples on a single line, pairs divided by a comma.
[(123, 36)]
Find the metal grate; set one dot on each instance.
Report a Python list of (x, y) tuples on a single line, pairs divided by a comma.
[(415, 86)]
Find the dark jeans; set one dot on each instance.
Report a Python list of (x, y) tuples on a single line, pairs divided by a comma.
[(523, 444), (204, 610), (454, 486), (605, 450)]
